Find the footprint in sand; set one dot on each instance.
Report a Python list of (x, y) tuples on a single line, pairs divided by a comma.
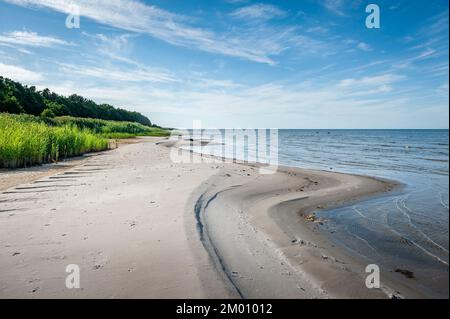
[(32, 291), (99, 261)]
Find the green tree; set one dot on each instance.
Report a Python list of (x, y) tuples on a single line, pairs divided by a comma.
[(10, 105), (56, 108), (47, 113), (16, 98)]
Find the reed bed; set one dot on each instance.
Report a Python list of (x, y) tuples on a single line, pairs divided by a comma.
[(26, 141), (108, 129)]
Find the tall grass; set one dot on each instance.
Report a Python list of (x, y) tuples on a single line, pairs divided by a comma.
[(29, 140), (110, 129), (26, 141)]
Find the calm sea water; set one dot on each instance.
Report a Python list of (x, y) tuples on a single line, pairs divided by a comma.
[(405, 230)]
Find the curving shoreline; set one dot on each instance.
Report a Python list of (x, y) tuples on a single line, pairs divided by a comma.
[(256, 229), (265, 246)]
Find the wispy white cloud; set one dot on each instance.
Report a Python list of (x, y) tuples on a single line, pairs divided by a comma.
[(364, 46), (436, 24), (137, 17), (26, 38), (111, 42), (438, 70), (204, 81), (425, 54), (335, 6), (317, 29), (377, 80), (236, 1), (114, 47), (259, 11), (15, 47), (239, 41), (433, 34), (19, 73), (443, 89), (115, 74), (408, 62)]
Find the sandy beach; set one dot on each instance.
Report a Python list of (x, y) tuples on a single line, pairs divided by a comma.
[(140, 226), (119, 215)]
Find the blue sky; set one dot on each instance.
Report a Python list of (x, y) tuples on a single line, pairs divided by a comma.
[(238, 63)]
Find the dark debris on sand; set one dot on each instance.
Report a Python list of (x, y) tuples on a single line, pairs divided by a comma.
[(405, 272)]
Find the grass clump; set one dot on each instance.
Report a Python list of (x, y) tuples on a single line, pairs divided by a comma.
[(26, 141)]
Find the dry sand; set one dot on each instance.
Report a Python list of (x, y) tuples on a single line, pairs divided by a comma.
[(138, 224)]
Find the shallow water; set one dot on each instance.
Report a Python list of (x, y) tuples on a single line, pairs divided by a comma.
[(405, 230)]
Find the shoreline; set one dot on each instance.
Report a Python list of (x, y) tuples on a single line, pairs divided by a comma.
[(290, 211), (254, 233), (149, 241)]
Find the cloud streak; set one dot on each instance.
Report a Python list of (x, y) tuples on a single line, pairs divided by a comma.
[(335, 6), (259, 11), (261, 43), (113, 74), (25, 38), (19, 73), (134, 16)]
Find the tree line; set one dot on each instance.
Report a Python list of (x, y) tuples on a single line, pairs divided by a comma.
[(17, 98)]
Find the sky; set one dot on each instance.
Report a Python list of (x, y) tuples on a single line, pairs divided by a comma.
[(239, 63)]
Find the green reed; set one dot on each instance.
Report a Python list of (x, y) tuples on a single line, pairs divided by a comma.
[(26, 141)]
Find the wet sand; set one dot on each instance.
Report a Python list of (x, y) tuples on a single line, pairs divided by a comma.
[(266, 238)]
